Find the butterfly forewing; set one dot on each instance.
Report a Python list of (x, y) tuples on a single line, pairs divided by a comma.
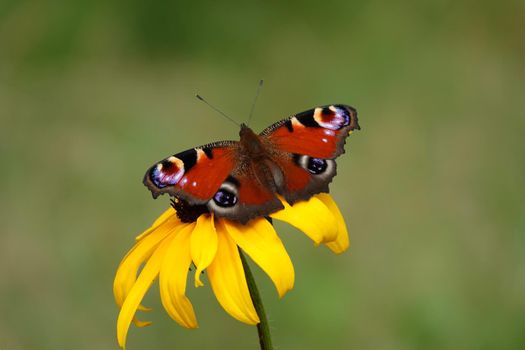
[(319, 132), (194, 175)]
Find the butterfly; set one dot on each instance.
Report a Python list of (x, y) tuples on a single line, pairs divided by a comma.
[(240, 180)]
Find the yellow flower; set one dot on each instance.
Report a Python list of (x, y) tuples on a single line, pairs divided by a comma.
[(169, 246)]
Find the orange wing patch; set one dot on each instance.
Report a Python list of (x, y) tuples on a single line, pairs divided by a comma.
[(315, 142), (203, 179), (251, 192)]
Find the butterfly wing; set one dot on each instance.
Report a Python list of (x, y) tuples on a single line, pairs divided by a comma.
[(194, 175), (226, 180), (319, 132), (244, 196), (214, 176), (305, 146)]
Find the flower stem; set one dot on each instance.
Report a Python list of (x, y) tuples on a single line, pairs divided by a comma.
[(263, 328)]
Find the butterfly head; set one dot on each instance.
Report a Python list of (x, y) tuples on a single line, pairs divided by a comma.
[(251, 142), (246, 131)]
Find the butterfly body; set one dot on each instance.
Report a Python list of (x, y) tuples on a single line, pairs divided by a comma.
[(241, 180)]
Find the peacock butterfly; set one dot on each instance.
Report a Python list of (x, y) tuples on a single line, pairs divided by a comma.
[(240, 180)]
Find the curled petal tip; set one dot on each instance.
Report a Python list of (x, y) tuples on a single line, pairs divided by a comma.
[(198, 282), (284, 292), (341, 242), (144, 308), (142, 324)]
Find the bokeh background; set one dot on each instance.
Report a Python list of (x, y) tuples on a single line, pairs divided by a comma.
[(93, 92)]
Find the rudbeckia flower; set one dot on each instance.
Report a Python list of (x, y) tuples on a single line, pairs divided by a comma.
[(170, 246)]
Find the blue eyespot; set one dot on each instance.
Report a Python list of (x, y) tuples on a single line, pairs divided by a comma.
[(317, 165), (224, 198)]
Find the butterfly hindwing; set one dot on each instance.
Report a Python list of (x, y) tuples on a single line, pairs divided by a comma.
[(194, 175), (243, 197), (304, 176)]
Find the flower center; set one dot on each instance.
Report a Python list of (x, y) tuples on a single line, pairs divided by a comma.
[(187, 212)]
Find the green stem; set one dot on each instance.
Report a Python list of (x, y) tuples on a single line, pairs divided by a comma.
[(265, 340)]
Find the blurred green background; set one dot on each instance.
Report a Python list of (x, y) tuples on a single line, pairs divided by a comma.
[(93, 92)]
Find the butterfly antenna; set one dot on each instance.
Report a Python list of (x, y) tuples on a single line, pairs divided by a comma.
[(255, 100), (217, 110)]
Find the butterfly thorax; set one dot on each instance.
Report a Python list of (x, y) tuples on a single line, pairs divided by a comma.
[(251, 144), (255, 160)]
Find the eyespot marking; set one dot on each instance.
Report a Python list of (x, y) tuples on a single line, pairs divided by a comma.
[(167, 173), (315, 166), (226, 197), (332, 117)]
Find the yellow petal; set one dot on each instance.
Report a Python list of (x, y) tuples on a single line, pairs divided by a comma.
[(140, 324), (133, 299), (312, 217), (173, 276), (260, 241), (168, 214), (342, 241), (127, 270), (228, 281), (203, 245)]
